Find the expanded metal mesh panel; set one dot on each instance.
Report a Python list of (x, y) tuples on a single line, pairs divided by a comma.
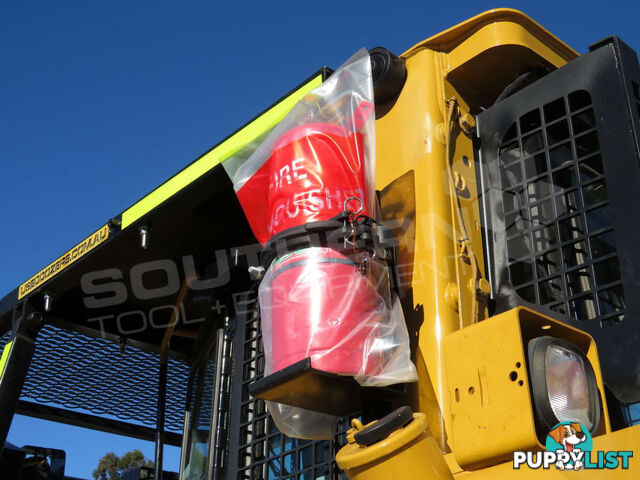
[(559, 165), (258, 451), (75, 371), (561, 248)]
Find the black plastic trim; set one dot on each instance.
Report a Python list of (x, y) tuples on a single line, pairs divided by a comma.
[(384, 427)]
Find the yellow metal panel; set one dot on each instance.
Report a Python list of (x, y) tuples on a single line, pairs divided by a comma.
[(58, 265), (499, 34), (488, 381), (444, 286), (492, 415), (454, 36), (5, 356), (465, 214), (626, 439), (406, 141), (220, 153)]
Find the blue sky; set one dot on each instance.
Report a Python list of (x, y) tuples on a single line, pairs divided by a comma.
[(102, 101)]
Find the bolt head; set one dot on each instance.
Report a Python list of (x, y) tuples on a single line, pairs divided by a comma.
[(483, 286), (35, 317), (467, 123)]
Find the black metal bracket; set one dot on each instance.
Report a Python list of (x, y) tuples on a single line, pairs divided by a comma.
[(343, 233), (301, 385)]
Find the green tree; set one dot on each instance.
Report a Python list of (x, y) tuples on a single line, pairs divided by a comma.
[(111, 466)]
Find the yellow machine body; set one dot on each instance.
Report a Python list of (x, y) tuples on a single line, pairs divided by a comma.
[(475, 414), (408, 449), (437, 217)]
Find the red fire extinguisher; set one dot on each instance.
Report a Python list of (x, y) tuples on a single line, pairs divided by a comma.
[(314, 302), (313, 169)]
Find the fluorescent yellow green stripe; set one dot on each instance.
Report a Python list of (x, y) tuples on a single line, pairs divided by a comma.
[(264, 122), (5, 357)]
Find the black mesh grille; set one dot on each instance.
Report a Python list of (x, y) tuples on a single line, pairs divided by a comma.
[(79, 372), (560, 241), (559, 163), (262, 451)]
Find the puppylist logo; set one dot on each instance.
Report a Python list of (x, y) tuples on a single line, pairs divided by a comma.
[(570, 447)]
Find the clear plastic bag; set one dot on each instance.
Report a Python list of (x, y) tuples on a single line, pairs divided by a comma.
[(297, 422), (317, 303), (321, 154)]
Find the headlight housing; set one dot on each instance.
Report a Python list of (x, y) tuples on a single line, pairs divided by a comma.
[(563, 384)]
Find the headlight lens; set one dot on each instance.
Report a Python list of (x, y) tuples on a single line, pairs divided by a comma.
[(567, 387), (563, 384)]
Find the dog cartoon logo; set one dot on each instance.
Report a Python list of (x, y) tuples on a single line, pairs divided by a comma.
[(569, 446), (570, 441)]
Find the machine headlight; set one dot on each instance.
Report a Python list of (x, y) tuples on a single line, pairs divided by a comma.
[(563, 384)]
